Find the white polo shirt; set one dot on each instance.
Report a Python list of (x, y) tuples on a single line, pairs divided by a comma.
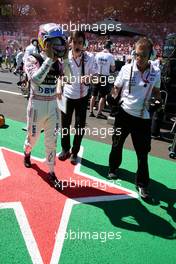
[(156, 62), (136, 102), (104, 61), (76, 90)]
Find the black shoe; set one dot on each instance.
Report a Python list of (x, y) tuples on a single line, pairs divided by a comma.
[(54, 181), (19, 83), (143, 192), (27, 160), (155, 136), (73, 159), (91, 114), (64, 155), (101, 116)]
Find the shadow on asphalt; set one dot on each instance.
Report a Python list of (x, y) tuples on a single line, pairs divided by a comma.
[(132, 215)]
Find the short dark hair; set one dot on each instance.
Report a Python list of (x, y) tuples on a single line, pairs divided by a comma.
[(108, 44), (144, 41), (77, 34), (33, 40)]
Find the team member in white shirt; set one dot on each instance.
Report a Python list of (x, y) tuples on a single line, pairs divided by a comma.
[(136, 81), (19, 60), (33, 48), (81, 67), (105, 62)]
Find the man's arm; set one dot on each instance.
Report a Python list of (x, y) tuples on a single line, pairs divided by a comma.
[(112, 65), (112, 68), (59, 87), (118, 84), (115, 91), (156, 89), (35, 72)]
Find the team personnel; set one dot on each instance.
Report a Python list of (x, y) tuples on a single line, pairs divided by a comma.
[(106, 63), (19, 60), (1, 59), (136, 81), (42, 112), (33, 48), (8, 56), (82, 65)]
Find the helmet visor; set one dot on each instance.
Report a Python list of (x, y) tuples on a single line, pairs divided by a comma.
[(58, 46), (55, 33)]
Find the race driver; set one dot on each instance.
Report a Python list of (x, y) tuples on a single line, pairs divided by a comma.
[(43, 71)]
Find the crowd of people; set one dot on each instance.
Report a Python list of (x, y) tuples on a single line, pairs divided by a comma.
[(122, 45), (146, 18)]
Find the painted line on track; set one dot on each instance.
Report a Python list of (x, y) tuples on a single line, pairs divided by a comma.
[(9, 92)]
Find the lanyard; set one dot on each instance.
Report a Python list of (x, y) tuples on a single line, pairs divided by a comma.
[(81, 63), (145, 99), (146, 81), (78, 64)]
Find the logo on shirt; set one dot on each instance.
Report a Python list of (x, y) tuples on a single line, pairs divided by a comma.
[(102, 61), (133, 80), (47, 90)]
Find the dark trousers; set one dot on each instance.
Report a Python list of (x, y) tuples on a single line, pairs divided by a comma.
[(140, 130), (80, 107)]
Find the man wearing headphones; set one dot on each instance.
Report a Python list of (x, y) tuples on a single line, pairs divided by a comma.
[(136, 82), (80, 67)]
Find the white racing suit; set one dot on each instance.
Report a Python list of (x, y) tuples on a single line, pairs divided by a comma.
[(42, 110)]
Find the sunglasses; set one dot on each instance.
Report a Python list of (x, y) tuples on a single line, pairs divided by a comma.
[(141, 55)]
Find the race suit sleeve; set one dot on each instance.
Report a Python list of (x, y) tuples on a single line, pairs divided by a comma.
[(34, 71)]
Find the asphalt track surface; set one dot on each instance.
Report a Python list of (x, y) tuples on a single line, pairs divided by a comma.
[(14, 107)]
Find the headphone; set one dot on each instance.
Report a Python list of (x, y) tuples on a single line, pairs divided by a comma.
[(86, 44), (153, 54)]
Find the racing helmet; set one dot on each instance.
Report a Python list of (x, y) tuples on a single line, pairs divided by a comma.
[(49, 31)]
